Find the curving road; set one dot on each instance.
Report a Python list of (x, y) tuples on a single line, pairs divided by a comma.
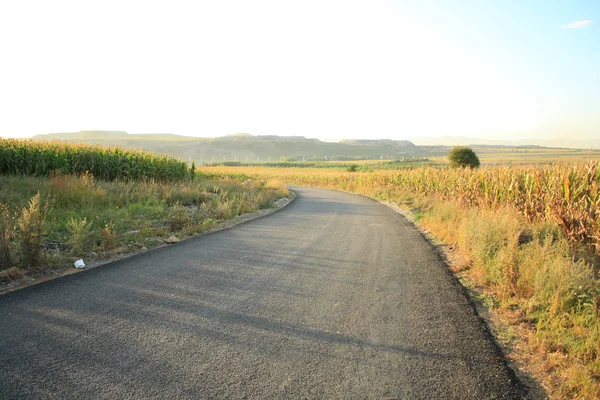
[(336, 296)]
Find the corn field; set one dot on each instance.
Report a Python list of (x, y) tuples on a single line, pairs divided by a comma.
[(568, 195), (24, 157), (565, 194)]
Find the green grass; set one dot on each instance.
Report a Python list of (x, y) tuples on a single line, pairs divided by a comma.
[(86, 214)]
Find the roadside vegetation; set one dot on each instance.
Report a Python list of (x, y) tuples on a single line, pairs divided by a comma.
[(526, 238), (53, 210)]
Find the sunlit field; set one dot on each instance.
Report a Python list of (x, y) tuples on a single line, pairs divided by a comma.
[(497, 156), (514, 156), (488, 156)]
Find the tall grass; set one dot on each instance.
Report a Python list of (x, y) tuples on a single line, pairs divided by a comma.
[(79, 235), (31, 228), (25, 157)]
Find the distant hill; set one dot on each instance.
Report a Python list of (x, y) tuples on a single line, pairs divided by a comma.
[(566, 142), (247, 147), (380, 142)]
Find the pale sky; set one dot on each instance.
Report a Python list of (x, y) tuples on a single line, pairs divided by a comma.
[(326, 69)]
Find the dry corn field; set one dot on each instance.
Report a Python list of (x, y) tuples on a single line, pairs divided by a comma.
[(566, 194)]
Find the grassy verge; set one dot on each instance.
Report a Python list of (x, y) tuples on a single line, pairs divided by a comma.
[(543, 299), (46, 222), (540, 284)]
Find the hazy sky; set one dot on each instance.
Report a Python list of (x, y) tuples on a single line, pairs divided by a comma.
[(328, 69)]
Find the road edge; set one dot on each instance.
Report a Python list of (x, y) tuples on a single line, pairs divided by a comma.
[(478, 308)]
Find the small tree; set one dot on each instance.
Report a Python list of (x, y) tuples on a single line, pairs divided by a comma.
[(193, 170), (463, 157)]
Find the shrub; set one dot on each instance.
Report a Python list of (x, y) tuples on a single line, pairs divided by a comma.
[(79, 235), (31, 227), (109, 237), (223, 209), (6, 235), (463, 157), (178, 217)]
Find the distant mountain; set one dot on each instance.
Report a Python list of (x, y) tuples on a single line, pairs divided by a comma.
[(380, 142), (478, 142), (244, 147)]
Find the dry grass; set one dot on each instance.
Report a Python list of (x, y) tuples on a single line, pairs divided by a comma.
[(31, 228), (10, 274), (79, 235)]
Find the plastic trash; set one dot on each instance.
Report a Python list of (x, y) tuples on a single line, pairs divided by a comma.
[(79, 264)]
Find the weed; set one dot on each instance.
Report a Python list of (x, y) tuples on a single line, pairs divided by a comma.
[(31, 228), (178, 218), (79, 235), (6, 236), (10, 274), (109, 237)]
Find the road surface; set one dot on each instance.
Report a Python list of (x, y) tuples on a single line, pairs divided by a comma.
[(335, 296)]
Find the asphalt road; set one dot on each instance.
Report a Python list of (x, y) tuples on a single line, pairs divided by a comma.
[(335, 296)]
